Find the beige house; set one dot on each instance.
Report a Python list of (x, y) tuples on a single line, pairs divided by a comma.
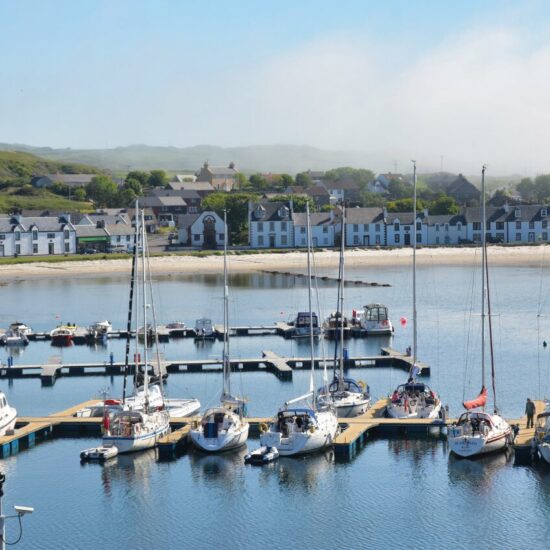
[(221, 178)]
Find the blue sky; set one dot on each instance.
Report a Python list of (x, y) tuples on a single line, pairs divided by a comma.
[(391, 78)]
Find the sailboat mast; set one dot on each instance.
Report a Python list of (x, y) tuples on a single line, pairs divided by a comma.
[(415, 330), (144, 292), (308, 234), (483, 280), (226, 367), (341, 305)]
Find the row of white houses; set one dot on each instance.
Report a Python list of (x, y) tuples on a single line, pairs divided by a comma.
[(275, 225)]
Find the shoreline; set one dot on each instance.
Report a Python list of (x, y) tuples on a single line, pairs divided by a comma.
[(520, 256)]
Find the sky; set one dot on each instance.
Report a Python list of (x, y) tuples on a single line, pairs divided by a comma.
[(451, 84)]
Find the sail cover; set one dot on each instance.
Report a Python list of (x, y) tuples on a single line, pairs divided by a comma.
[(479, 401)]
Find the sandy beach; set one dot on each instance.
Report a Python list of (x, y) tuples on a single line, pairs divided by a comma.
[(524, 256)]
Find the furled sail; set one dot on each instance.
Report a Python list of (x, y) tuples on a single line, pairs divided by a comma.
[(479, 401)]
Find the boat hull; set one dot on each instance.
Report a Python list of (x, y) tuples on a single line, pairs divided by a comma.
[(137, 442), (399, 411), (232, 439), (8, 422), (475, 445), (350, 410), (544, 450)]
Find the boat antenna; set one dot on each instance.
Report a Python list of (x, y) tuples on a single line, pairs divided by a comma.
[(415, 317), (483, 281), (226, 366), (144, 291), (308, 229), (130, 308), (341, 304)]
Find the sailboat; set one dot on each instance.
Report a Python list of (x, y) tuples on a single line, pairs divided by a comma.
[(131, 429), (477, 431), (414, 399), (223, 427), (348, 397), (313, 425)]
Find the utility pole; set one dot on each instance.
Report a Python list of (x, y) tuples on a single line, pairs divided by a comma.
[(20, 511)]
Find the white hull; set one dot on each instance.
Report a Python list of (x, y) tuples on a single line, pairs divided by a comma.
[(225, 441), (350, 410), (468, 445), (544, 450), (304, 442), (7, 422), (399, 411), (181, 408)]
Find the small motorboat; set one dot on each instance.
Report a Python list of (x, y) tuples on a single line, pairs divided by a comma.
[(374, 320), (21, 328), (62, 335), (99, 330), (302, 324), (99, 454), (177, 328), (262, 455), (204, 330), (14, 338), (332, 327)]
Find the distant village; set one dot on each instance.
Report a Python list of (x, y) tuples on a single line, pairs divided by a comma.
[(268, 211)]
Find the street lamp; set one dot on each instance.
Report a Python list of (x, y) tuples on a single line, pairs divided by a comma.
[(20, 512)]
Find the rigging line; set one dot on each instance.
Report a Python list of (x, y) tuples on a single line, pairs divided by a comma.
[(434, 287), (154, 324), (491, 347), (468, 329), (321, 316), (538, 318)]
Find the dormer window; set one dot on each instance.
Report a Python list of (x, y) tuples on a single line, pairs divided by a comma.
[(543, 212), (17, 235), (260, 212), (283, 212), (446, 227), (396, 226), (517, 212), (437, 227), (418, 226), (66, 234), (35, 234), (459, 226)]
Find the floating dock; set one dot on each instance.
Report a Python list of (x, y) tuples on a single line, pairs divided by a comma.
[(282, 367)]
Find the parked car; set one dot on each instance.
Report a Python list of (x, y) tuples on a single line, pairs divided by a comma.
[(88, 251)]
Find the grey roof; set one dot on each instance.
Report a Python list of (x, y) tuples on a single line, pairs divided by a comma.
[(90, 231), (316, 218), (186, 220), (222, 171), (316, 191), (364, 215), (119, 229), (527, 213), (346, 183), (192, 185), (442, 219), (405, 218), (154, 201), (186, 194), (271, 211), (108, 219)]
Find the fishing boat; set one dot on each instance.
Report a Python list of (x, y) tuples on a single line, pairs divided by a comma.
[(348, 397), (477, 431), (224, 427), (305, 323), (373, 319), (303, 425), (414, 399), (8, 415), (204, 330), (130, 429), (62, 335), (542, 434)]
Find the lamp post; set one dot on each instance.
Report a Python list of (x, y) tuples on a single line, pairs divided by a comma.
[(20, 512)]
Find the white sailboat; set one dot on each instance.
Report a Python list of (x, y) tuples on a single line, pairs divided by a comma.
[(348, 397), (223, 427), (8, 415), (479, 432), (131, 430), (312, 426), (414, 399)]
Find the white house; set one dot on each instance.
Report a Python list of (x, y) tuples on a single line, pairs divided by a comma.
[(322, 229), (37, 236), (270, 225), (365, 226), (205, 230)]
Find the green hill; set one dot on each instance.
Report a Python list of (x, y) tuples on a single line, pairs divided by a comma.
[(22, 165)]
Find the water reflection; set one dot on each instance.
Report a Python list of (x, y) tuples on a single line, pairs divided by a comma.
[(477, 474), (215, 468)]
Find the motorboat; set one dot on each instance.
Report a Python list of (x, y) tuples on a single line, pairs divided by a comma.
[(14, 338), (21, 328), (542, 435), (100, 330), (262, 455), (176, 328), (302, 323), (478, 432), (224, 427), (8, 415), (414, 400), (334, 324), (204, 329), (62, 335), (373, 319)]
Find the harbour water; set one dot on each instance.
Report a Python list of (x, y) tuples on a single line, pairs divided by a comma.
[(395, 493)]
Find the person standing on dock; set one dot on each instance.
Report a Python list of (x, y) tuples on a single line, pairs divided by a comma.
[(530, 412)]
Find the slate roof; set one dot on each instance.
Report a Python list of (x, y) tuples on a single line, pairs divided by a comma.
[(315, 218), (271, 212), (364, 215)]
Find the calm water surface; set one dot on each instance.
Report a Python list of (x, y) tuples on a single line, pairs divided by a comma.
[(391, 489)]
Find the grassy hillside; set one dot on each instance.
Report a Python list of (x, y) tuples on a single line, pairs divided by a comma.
[(21, 165), (28, 198)]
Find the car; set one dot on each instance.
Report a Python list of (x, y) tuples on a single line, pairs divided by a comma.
[(89, 251)]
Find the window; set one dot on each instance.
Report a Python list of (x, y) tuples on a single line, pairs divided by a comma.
[(500, 225), (518, 225), (419, 237), (544, 225), (35, 249), (459, 226), (66, 234), (355, 227), (283, 226), (377, 227), (545, 236), (221, 237), (356, 239), (446, 227), (518, 236), (17, 235), (18, 249), (2, 237), (118, 239), (477, 226), (325, 229), (34, 235), (437, 227), (197, 237), (517, 212), (284, 240), (419, 226), (67, 247), (365, 227), (260, 227), (127, 238), (303, 230), (377, 239), (397, 238), (487, 225), (51, 235), (272, 226), (260, 240), (396, 226), (543, 212), (437, 240), (531, 225)]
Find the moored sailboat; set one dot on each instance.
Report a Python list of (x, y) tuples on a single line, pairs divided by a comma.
[(8, 415), (312, 426), (414, 399), (477, 431), (224, 427)]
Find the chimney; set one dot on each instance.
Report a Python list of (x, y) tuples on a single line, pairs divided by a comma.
[(385, 212), (426, 214), (506, 207), (100, 224)]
